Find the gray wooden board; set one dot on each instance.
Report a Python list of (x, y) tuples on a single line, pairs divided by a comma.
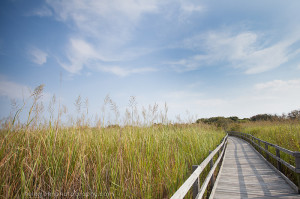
[(245, 174)]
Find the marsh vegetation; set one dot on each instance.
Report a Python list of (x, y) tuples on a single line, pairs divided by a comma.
[(137, 158)]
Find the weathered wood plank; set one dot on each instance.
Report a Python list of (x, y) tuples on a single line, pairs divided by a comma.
[(237, 195), (244, 174)]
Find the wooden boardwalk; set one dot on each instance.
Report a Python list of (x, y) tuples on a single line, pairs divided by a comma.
[(244, 174)]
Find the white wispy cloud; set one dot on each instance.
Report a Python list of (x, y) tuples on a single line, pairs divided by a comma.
[(108, 24), (37, 55), (191, 6), (110, 27), (276, 96), (79, 53), (121, 71), (17, 91), (41, 12), (14, 90), (82, 54), (108, 21), (92, 15), (280, 85), (244, 50)]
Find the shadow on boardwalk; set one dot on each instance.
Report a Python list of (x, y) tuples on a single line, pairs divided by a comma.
[(246, 175)]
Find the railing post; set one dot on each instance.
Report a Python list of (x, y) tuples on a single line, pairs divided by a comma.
[(297, 161), (267, 155), (212, 180), (196, 185), (278, 162)]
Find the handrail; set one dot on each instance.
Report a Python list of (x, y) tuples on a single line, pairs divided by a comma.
[(186, 186), (257, 142)]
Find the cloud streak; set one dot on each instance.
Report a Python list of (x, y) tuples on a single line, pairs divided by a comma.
[(42, 12), (279, 85), (107, 30), (37, 56), (82, 54), (122, 72), (109, 22), (14, 90), (244, 50)]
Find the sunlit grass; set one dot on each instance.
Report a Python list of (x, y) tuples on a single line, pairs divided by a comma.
[(135, 158), (283, 133), (138, 159), (128, 162)]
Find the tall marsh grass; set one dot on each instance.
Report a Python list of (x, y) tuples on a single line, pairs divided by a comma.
[(129, 162), (132, 161), (283, 133)]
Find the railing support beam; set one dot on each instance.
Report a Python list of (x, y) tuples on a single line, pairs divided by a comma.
[(196, 185), (297, 161), (278, 162), (211, 164), (267, 155)]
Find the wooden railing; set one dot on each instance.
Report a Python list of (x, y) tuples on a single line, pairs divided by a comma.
[(263, 148), (194, 179)]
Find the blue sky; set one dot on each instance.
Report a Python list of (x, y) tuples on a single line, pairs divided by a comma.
[(203, 58)]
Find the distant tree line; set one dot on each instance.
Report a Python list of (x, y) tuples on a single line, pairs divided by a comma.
[(223, 122), (293, 115), (226, 121)]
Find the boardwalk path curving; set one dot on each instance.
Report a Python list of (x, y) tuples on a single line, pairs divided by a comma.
[(244, 174)]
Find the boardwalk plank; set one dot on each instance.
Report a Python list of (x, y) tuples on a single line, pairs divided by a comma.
[(245, 174)]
